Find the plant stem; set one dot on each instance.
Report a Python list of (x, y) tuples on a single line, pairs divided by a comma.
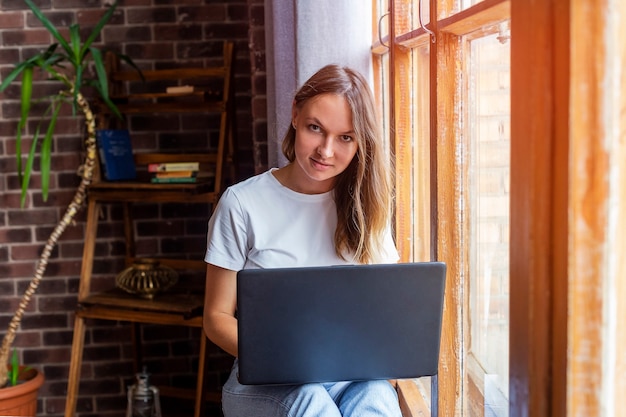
[(86, 173)]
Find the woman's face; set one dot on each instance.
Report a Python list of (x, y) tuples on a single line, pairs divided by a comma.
[(325, 141)]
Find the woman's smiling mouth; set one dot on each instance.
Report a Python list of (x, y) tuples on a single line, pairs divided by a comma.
[(320, 165)]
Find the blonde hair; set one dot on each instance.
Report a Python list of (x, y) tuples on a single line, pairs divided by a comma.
[(363, 192)]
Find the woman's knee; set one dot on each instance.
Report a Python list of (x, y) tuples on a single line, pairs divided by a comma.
[(309, 400), (312, 400), (382, 388), (370, 398)]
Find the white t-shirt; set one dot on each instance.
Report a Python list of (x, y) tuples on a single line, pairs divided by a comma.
[(259, 223)]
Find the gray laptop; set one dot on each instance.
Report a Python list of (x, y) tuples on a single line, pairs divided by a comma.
[(339, 323)]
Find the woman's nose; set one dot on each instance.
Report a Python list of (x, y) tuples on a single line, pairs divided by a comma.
[(325, 149)]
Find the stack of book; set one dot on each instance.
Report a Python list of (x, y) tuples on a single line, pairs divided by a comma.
[(174, 172)]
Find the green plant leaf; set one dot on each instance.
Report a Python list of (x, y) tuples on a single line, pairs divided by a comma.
[(130, 62), (46, 151), (106, 99), (19, 68), (43, 60), (49, 60), (48, 25), (28, 168), (75, 44), (13, 74), (18, 154), (97, 29), (27, 90), (15, 368), (76, 59), (14, 371), (75, 39), (101, 72)]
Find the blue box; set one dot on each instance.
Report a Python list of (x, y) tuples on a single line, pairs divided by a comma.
[(116, 154)]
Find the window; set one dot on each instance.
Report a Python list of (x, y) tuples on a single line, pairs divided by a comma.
[(447, 108), (526, 146)]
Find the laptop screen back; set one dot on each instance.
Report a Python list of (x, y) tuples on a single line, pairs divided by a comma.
[(339, 323)]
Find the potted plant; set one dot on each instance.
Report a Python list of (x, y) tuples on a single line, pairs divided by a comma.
[(78, 67), (19, 397)]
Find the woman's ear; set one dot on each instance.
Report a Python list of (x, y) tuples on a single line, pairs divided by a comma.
[(294, 115)]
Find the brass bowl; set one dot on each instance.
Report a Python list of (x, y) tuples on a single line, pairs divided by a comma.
[(146, 278)]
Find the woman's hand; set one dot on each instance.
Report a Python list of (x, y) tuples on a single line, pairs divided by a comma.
[(220, 302)]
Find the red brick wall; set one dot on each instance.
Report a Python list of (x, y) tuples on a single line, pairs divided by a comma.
[(155, 33), (258, 85)]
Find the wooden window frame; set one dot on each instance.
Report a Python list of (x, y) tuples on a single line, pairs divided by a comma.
[(568, 199), (445, 168)]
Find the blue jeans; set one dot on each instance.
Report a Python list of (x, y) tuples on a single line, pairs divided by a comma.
[(357, 399)]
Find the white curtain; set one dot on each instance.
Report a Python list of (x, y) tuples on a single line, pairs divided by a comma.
[(301, 37)]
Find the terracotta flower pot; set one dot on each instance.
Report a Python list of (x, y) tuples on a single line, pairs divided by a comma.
[(21, 400)]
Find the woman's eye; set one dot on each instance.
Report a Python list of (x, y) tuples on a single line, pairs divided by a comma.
[(347, 138), (314, 128)]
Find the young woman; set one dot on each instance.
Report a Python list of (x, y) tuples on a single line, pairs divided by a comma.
[(329, 205)]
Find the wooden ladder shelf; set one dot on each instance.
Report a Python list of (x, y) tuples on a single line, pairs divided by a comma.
[(179, 306)]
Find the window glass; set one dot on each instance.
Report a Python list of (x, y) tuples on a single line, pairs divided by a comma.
[(489, 121), (382, 14), (421, 153), (465, 4), (415, 13), (386, 106)]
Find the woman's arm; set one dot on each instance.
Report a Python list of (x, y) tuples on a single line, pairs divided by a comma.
[(220, 301)]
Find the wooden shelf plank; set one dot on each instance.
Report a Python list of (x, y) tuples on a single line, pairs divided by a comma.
[(170, 107), (132, 316), (151, 195), (171, 74), (186, 303)]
